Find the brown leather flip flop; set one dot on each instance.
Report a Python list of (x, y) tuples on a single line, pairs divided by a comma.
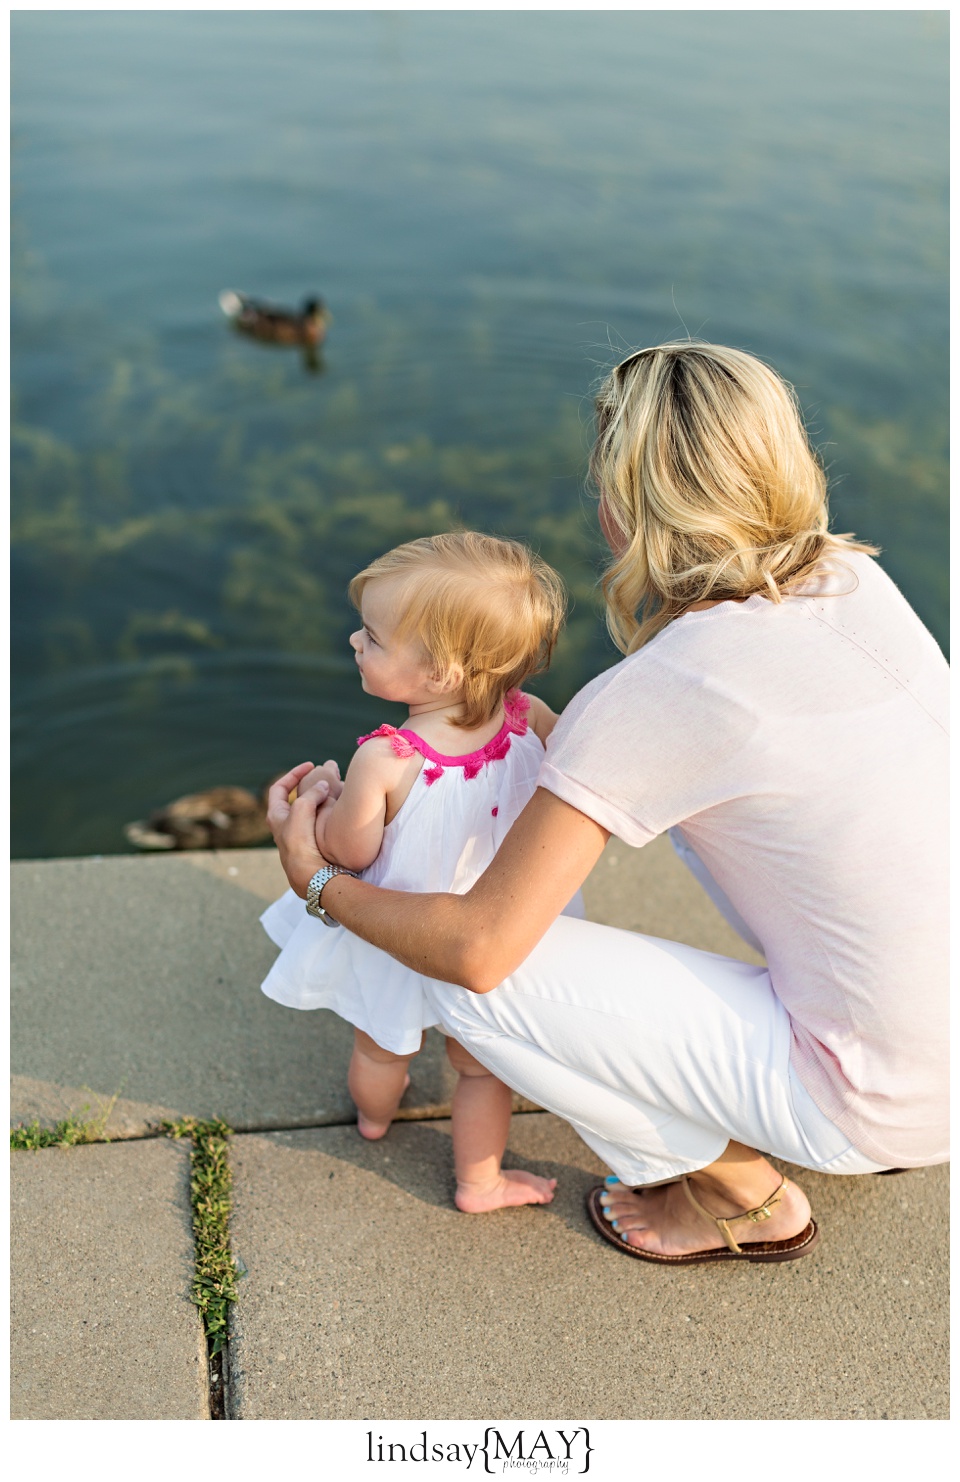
[(754, 1250)]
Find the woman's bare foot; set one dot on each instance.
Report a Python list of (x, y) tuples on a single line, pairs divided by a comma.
[(664, 1221), (373, 1131), (512, 1186)]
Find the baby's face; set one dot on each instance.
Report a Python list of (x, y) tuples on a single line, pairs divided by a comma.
[(391, 667)]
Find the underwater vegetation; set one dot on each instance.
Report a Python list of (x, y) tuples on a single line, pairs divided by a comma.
[(257, 550), (184, 526), (180, 570)]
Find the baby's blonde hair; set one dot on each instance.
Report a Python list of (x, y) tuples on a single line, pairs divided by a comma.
[(706, 477), (487, 607)]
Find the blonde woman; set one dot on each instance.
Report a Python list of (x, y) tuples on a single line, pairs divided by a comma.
[(781, 711)]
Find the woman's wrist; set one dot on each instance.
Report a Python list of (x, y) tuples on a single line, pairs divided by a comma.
[(331, 889), (300, 870)]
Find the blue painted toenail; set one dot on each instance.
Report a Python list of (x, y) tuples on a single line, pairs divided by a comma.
[(611, 1179), (616, 1224)]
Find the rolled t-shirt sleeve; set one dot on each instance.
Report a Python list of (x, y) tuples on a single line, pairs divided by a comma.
[(587, 800)]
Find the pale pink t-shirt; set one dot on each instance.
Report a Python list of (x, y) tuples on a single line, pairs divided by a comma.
[(802, 749)]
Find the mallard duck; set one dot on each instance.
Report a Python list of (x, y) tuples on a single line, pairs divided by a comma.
[(278, 326), (220, 818)]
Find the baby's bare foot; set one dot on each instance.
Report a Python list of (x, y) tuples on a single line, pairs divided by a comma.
[(373, 1131), (513, 1186)]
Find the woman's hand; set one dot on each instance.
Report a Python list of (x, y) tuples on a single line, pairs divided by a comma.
[(294, 826)]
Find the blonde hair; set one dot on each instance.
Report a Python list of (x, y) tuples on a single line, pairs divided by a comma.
[(487, 608), (707, 480)]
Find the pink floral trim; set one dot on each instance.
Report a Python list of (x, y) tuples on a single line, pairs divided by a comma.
[(405, 743)]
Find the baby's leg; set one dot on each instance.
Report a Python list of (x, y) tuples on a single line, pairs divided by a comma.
[(377, 1079), (481, 1121)]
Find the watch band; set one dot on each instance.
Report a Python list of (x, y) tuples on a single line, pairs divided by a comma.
[(319, 880)]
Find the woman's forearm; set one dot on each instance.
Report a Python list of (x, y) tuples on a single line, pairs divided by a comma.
[(479, 938), (476, 939), (437, 935)]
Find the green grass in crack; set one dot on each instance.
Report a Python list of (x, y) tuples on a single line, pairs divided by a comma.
[(72, 1131), (215, 1277)]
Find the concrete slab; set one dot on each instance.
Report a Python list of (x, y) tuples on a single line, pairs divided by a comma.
[(369, 1297), (102, 1260), (145, 980), (116, 1117), (140, 975)]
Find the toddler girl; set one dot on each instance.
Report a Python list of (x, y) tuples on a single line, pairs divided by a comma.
[(451, 627)]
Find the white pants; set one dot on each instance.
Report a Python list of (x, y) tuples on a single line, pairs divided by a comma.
[(656, 1053)]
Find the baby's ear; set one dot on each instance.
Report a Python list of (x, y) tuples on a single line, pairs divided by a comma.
[(449, 681)]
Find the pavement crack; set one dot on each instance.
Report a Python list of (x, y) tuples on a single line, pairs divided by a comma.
[(214, 1286)]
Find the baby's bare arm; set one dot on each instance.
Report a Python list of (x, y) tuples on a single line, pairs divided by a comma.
[(329, 773), (350, 822), (542, 719), (324, 844)]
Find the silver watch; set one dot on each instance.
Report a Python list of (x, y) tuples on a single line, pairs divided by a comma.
[(319, 880)]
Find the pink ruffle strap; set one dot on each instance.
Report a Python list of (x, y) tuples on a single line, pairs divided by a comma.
[(515, 707), (400, 744)]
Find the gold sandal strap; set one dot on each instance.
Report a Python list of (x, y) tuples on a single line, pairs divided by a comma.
[(762, 1212)]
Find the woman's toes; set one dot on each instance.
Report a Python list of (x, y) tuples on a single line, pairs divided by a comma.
[(619, 1205)]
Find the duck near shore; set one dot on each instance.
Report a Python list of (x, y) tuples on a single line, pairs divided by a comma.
[(276, 325), (220, 818)]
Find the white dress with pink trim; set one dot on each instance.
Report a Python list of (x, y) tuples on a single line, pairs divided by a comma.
[(448, 830)]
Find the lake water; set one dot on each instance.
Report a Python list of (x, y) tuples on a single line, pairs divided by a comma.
[(496, 205)]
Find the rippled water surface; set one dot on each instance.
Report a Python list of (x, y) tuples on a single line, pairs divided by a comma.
[(495, 206)]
